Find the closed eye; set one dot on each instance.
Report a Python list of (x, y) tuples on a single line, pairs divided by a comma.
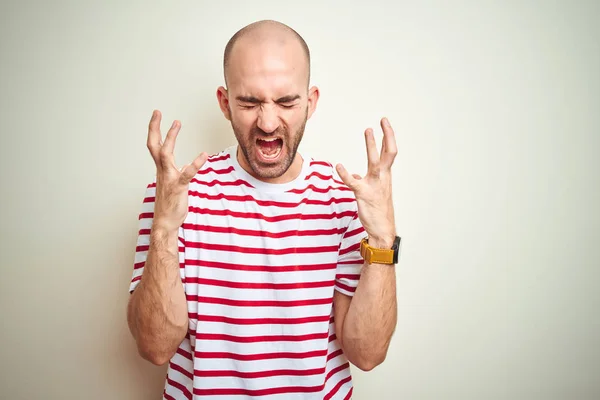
[(247, 102), (247, 106), (289, 101), (287, 105)]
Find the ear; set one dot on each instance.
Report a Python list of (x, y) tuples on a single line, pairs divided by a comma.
[(313, 97), (223, 98)]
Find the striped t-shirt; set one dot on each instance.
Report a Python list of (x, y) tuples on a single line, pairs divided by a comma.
[(259, 264)]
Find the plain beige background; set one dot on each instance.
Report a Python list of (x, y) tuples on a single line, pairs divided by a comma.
[(496, 108)]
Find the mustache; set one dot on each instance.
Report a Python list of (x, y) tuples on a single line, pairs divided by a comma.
[(279, 133)]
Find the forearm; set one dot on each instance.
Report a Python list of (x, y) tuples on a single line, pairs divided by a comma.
[(371, 318), (157, 311)]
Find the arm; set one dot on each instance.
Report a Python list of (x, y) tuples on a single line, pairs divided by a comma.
[(365, 322), (157, 312)]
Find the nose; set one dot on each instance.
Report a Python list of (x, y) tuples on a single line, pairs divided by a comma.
[(268, 120)]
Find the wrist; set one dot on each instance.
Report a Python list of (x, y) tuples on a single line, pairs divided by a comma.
[(382, 242), (164, 237), (164, 228)]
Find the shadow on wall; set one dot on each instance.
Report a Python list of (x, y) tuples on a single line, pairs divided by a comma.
[(221, 133), (214, 132), (145, 380)]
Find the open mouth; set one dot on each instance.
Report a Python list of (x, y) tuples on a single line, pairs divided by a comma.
[(270, 148)]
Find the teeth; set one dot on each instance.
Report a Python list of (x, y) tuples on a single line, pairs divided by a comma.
[(269, 140)]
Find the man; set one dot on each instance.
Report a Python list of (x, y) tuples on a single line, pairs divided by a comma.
[(249, 278)]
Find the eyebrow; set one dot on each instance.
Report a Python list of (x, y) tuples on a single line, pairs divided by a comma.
[(287, 99), (248, 99), (254, 100)]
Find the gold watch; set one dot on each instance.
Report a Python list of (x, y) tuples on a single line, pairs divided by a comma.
[(373, 255)]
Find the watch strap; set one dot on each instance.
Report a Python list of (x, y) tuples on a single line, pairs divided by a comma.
[(380, 256)]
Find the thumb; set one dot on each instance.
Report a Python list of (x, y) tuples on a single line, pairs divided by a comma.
[(348, 179), (189, 171)]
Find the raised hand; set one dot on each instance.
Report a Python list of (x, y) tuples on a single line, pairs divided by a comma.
[(171, 201), (374, 191)]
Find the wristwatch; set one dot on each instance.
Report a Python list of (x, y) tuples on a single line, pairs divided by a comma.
[(380, 256)]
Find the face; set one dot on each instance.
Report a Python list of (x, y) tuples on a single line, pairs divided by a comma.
[(268, 103), (269, 152)]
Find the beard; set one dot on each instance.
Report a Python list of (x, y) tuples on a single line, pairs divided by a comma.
[(249, 145)]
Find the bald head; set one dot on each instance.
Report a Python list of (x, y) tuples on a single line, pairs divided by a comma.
[(267, 34)]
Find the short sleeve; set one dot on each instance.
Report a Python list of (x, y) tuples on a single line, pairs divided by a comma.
[(350, 262), (146, 217)]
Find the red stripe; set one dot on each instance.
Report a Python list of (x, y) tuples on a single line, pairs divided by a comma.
[(276, 218), (349, 395), (179, 368), (262, 356), (258, 303), (320, 190), (345, 287), (259, 374), (216, 171), (359, 261), (323, 177), (260, 250), (332, 338), (323, 163), (143, 263), (350, 249), (267, 203), (336, 370), (136, 278), (257, 392), (259, 339), (215, 182), (146, 247), (353, 232), (261, 268), (179, 386), (334, 354), (348, 276), (214, 158), (257, 321), (259, 285), (145, 215), (263, 233), (337, 387), (168, 396), (185, 354)]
